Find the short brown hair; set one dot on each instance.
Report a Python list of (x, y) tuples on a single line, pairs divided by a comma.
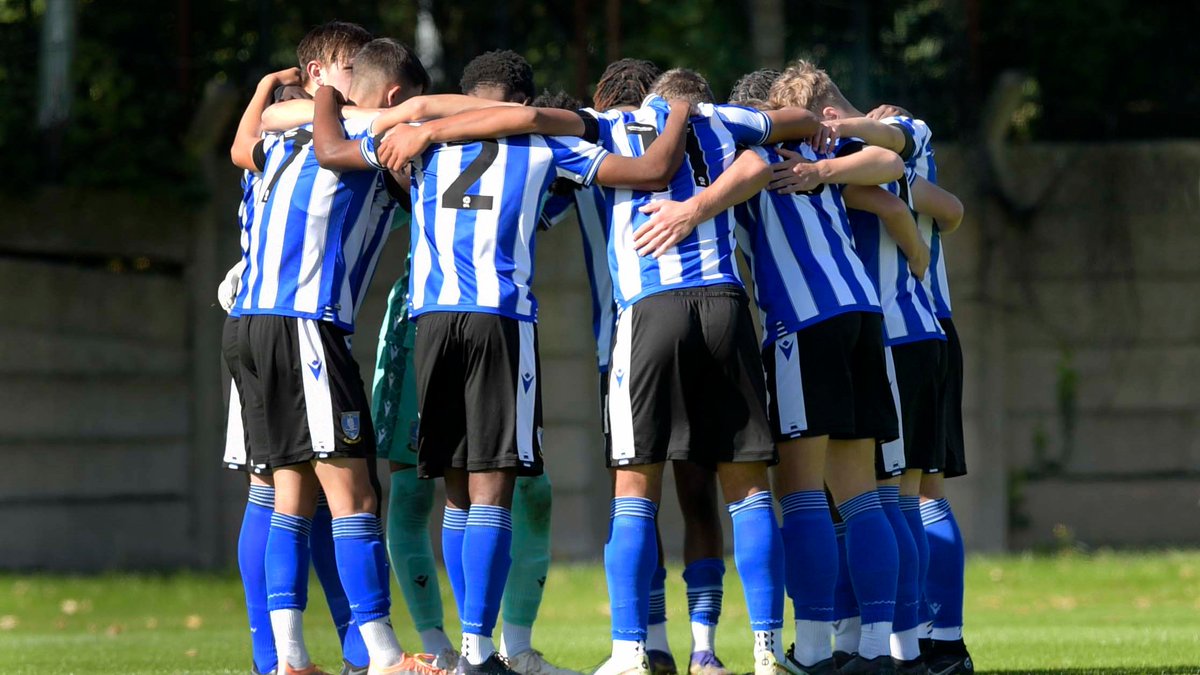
[(683, 84), (384, 61), (329, 44), (804, 85)]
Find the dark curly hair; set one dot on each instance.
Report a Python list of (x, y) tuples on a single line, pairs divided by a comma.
[(502, 68), (754, 89), (624, 82), (556, 99)]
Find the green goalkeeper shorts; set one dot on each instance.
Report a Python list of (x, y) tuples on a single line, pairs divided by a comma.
[(394, 394)]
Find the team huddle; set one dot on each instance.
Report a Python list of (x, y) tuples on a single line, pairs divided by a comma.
[(845, 405)]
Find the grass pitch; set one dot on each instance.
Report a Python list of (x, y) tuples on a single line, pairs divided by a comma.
[(1102, 613)]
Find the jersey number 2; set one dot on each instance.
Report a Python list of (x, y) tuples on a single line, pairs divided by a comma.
[(456, 197)]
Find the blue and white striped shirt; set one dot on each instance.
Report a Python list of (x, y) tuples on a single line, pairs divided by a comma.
[(802, 253), (316, 234), (476, 208), (250, 181), (592, 210), (907, 308), (706, 256), (921, 163)]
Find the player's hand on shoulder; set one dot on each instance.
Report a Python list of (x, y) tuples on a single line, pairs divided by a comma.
[(401, 145), (888, 110), (670, 222), (325, 91), (827, 135), (793, 174), (283, 78)]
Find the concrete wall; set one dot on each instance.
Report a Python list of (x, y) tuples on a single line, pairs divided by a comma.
[(1080, 324), (1082, 336)]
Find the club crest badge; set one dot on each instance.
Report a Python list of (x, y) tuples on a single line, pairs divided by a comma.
[(351, 427)]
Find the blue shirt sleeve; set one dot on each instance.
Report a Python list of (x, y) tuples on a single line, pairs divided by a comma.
[(748, 126), (576, 159)]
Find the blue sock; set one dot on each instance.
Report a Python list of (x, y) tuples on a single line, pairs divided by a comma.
[(362, 566), (871, 556), (705, 579), (454, 526), (910, 508), (906, 616), (845, 605), (658, 595), (487, 545), (630, 558), (810, 554), (252, 551), (758, 554), (287, 559), (324, 561), (944, 586)]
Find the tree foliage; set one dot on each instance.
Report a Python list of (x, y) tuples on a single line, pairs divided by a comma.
[(1101, 69)]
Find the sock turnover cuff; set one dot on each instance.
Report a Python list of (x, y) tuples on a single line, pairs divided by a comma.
[(454, 519), (485, 515), (857, 505), (634, 507), (758, 500), (356, 526), (297, 524), (262, 495), (804, 500), (910, 502), (934, 511), (888, 494)]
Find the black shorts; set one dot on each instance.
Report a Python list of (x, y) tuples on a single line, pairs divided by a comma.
[(830, 379), (686, 381), (479, 394), (918, 370), (952, 399), (604, 418), (237, 438), (303, 397)]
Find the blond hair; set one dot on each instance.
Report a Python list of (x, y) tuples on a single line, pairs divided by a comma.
[(804, 85)]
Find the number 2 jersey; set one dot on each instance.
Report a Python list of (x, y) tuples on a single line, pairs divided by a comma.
[(475, 211), (706, 256), (316, 234)]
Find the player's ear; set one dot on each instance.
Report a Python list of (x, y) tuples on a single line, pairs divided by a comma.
[(315, 72), (830, 113), (395, 96)]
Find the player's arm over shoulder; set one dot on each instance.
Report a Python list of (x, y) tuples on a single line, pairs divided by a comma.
[(247, 140), (938, 203), (654, 169), (333, 150)]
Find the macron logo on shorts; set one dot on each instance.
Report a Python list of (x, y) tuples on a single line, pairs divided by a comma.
[(620, 377), (527, 380), (786, 347), (315, 367)]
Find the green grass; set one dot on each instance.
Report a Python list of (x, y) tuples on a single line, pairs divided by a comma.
[(1103, 613)]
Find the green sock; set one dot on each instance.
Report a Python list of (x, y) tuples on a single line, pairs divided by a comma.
[(410, 550), (530, 551)]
